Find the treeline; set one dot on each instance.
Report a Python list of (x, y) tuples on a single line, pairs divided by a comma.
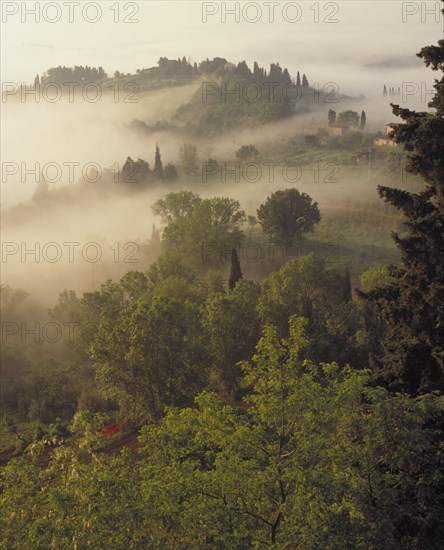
[(62, 75), (241, 96)]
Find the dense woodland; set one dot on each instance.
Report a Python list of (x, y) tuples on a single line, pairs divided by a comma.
[(289, 409)]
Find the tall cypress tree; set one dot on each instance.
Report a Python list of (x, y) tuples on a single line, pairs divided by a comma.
[(363, 120), (413, 305), (298, 79), (158, 168), (304, 81), (347, 290), (235, 273)]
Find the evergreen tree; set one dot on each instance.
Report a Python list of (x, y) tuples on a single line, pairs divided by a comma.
[(413, 304), (298, 79), (36, 81), (158, 168), (363, 120), (347, 292), (384, 93), (286, 77), (304, 81), (235, 273)]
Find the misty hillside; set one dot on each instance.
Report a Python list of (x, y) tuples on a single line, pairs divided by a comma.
[(222, 283)]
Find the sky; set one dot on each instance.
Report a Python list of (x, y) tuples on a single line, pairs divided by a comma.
[(358, 44)]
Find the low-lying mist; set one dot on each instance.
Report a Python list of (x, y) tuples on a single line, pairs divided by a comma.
[(101, 222)]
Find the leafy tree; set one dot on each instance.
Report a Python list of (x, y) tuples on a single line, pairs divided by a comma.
[(170, 172), (233, 328), (135, 172), (348, 118), (317, 460), (303, 286), (151, 356), (175, 206), (189, 158), (200, 229), (287, 215), (331, 117), (311, 140), (376, 276), (247, 152)]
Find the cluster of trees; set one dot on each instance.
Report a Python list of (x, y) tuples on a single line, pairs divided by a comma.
[(392, 91), (347, 119), (219, 66), (138, 172), (275, 74), (242, 96), (78, 73), (197, 227), (317, 458)]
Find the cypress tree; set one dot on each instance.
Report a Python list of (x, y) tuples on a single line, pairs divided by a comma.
[(347, 290), (304, 81), (235, 273), (413, 305), (363, 120), (298, 80), (158, 168)]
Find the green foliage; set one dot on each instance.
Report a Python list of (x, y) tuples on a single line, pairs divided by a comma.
[(233, 329), (412, 305), (189, 159), (376, 276), (305, 287), (311, 140), (175, 206), (170, 172), (287, 215), (316, 459), (151, 353), (348, 118), (200, 229), (247, 152)]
